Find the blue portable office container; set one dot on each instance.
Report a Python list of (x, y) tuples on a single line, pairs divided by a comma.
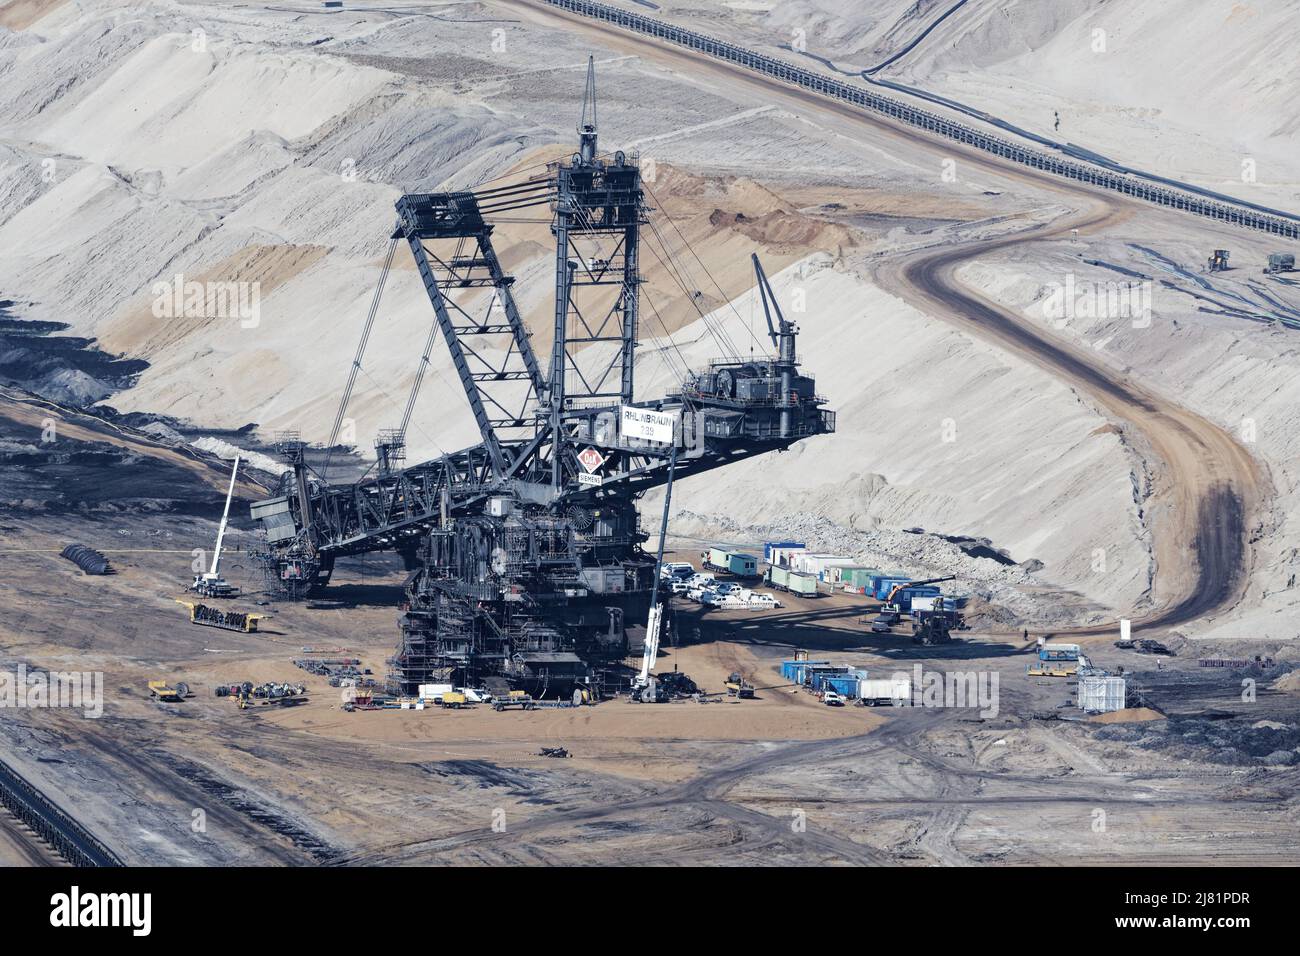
[(794, 671), (815, 677), (904, 597), (886, 584), (846, 685)]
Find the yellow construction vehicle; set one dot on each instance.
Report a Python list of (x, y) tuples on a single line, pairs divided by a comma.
[(453, 700), (161, 690), (1052, 669), (738, 687)]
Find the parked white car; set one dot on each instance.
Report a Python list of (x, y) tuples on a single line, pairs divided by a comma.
[(677, 569)]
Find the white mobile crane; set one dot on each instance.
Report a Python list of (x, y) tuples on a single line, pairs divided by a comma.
[(643, 685), (782, 333), (210, 583)]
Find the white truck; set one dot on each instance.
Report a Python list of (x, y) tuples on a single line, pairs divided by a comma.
[(892, 691)]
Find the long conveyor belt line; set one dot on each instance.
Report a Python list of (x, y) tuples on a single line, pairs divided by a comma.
[(69, 838), (1180, 196)]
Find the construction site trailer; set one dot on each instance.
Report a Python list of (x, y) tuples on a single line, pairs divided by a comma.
[(793, 670), (784, 579), (793, 582), (846, 685), (815, 675), (829, 568), (806, 672), (885, 583), (801, 584), (816, 564), (842, 573), (784, 556), (774, 550), (857, 580), (739, 563)]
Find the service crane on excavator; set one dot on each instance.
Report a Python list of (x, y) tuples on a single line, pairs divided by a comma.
[(888, 604)]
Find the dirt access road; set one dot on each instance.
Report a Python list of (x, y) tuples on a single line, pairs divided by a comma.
[(1206, 488)]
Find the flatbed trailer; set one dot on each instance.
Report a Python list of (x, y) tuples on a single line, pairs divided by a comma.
[(207, 616), (1052, 669), (525, 702)]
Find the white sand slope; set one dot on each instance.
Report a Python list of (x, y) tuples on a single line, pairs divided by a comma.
[(1022, 445), (272, 154), (1189, 89)]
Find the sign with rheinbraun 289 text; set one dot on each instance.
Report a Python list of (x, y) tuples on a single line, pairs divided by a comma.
[(648, 425)]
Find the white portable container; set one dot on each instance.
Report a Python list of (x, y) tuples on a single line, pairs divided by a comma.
[(1102, 694), (895, 691)]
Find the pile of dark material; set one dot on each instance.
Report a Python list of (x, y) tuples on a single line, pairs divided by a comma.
[(88, 559), (341, 671), (63, 368), (1234, 740), (271, 690)]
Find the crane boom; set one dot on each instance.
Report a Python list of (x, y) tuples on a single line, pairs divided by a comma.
[(893, 592), (221, 530), (654, 621), (768, 298)]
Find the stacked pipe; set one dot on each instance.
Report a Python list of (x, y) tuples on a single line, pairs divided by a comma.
[(88, 559)]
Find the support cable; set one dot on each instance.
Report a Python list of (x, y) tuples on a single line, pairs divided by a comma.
[(361, 351)]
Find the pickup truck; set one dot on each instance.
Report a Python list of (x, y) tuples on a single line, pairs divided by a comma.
[(832, 699)]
